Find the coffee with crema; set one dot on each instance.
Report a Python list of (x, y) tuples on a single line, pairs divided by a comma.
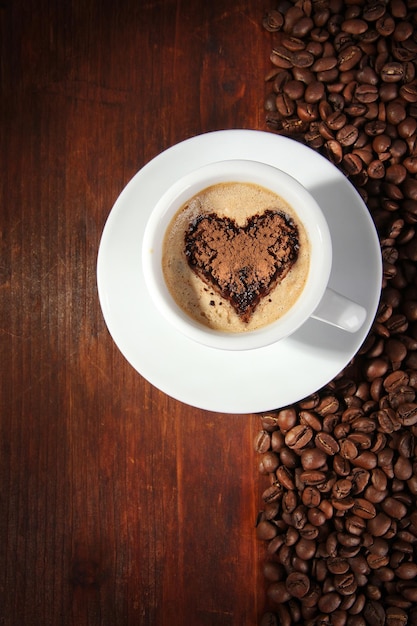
[(236, 257)]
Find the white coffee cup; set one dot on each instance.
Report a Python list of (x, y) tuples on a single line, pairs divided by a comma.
[(317, 300)]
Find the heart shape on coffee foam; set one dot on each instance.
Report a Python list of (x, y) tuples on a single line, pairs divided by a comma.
[(242, 263)]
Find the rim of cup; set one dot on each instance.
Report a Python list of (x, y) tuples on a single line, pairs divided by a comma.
[(273, 179)]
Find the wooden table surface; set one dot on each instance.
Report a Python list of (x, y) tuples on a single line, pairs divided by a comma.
[(118, 504)]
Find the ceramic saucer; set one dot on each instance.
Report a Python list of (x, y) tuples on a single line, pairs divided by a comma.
[(255, 380)]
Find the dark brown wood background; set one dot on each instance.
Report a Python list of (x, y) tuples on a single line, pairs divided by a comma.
[(118, 505)]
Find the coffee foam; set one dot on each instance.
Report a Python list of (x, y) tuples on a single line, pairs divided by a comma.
[(238, 202)]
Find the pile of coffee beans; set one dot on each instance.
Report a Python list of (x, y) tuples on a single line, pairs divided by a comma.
[(339, 512)]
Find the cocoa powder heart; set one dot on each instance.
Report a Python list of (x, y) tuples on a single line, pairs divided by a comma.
[(242, 263)]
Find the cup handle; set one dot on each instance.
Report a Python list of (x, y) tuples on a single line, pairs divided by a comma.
[(336, 310)]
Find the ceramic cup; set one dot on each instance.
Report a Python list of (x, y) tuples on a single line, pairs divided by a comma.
[(317, 300)]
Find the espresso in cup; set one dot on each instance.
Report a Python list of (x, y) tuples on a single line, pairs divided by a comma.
[(236, 257)]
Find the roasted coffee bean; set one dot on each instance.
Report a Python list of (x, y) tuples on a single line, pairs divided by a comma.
[(316, 517), (355, 525), (305, 548), (384, 574), (354, 26), (347, 135), (278, 593), (367, 75), (289, 458), (410, 163), (379, 525), (395, 350), (311, 419), (410, 592), (343, 428), (271, 510), (298, 437), (358, 565), (380, 441), (291, 536), (302, 59), (407, 413), (410, 188), (405, 444), (349, 57), (272, 493), (395, 112), (329, 602), (379, 479), (262, 441), (325, 442), (289, 501), (324, 63), (362, 440), (311, 496), (365, 460), (312, 477), (392, 72), (286, 418), (341, 488), (269, 461), (376, 169), (294, 89), (394, 508), (375, 495), (269, 619), (277, 441), (273, 21), (314, 92), (281, 57), (396, 616), (367, 93), (297, 584), (328, 406), (308, 531), (403, 468), (327, 485), (362, 425), (395, 381), (275, 544), (375, 561), (266, 530), (329, 422), (307, 111), (285, 478), (341, 466), (345, 584), (285, 106), (299, 517), (363, 508), (337, 565), (336, 120), (269, 422), (374, 613), (343, 504), (348, 449), (373, 11), (292, 43), (409, 92), (313, 458), (334, 151), (352, 164)]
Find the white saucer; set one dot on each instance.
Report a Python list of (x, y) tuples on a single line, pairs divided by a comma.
[(255, 380)]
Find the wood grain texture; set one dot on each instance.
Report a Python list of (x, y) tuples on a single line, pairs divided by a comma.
[(118, 505)]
